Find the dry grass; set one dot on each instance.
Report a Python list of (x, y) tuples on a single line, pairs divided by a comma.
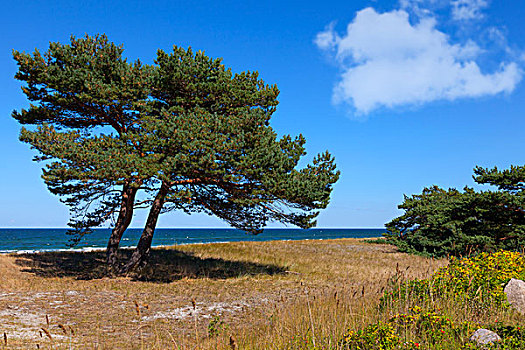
[(257, 295)]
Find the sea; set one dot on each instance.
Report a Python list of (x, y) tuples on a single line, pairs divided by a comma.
[(27, 240)]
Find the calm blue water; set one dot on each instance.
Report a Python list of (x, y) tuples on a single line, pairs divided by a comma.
[(56, 239)]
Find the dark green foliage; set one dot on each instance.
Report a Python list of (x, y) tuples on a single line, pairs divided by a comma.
[(510, 180), (216, 326), (235, 168), (82, 87), (450, 222), (377, 336), (192, 82), (221, 156), (513, 336), (84, 84)]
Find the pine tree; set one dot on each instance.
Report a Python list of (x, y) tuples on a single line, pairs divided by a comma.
[(510, 180), (222, 157), (191, 134), (441, 222), (83, 87)]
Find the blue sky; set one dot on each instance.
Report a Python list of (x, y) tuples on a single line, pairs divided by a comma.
[(405, 94)]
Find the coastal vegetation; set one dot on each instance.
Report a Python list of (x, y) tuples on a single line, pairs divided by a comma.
[(482, 232), (443, 311), (450, 222), (259, 295), (184, 133)]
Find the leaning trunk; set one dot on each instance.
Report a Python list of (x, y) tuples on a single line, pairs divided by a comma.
[(141, 254), (124, 219)]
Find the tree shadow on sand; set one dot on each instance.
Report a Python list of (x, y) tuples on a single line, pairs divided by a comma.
[(165, 265)]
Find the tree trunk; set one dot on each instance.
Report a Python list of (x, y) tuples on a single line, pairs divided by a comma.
[(124, 219), (141, 254)]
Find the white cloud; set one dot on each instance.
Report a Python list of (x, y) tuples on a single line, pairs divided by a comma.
[(326, 39), (460, 10), (386, 62), (468, 9), (422, 8)]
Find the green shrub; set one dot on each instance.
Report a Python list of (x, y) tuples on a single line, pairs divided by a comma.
[(473, 285), (216, 326), (476, 282), (450, 222), (377, 336), (414, 330), (432, 327)]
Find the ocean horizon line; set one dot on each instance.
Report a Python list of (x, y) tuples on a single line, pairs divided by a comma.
[(199, 228), (53, 239)]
